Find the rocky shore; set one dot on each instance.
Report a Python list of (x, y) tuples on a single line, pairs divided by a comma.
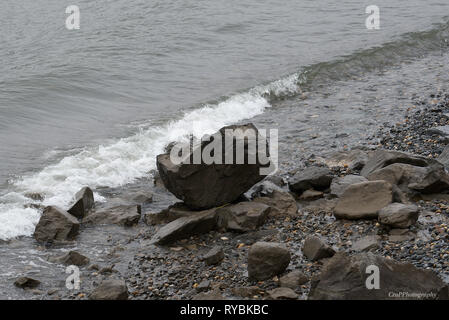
[(309, 233)]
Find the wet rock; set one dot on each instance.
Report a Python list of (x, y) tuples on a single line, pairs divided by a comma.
[(436, 180), (399, 215), (354, 159), (340, 184), (198, 223), (111, 289), (281, 203), (344, 277), (315, 249), (267, 259), (26, 283), (56, 224), (143, 198), (84, 201), (293, 279), (173, 212), (35, 196), (264, 188), (382, 158), (214, 256), (366, 243), (318, 178), (244, 216), (364, 200), (71, 258), (282, 294), (225, 182), (124, 215)]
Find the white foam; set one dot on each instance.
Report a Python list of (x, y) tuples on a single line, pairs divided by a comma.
[(123, 161)]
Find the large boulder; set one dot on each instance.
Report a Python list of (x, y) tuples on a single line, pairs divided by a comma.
[(382, 158), (244, 216), (226, 182), (111, 289), (318, 178), (84, 201), (56, 224), (340, 184), (315, 249), (267, 259), (197, 223), (281, 203), (344, 277), (398, 215), (123, 215), (364, 200)]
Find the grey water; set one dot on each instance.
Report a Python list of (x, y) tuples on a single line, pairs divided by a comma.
[(67, 97)]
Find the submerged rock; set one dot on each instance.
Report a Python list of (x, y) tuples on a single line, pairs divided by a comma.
[(124, 215), (71, 258), (267, 259), (345, 277), (56, 224), (84, 201), (364, 200), (204, 186)]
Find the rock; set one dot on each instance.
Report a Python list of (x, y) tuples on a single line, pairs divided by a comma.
[(436, 180), (293, 280), (281, 203), (246, 292), (363, 200), (26, 283), (214, 256), (203, 286), (198, 223), (340, 184), (400, 235), (124, 215), (264, 188), (344, 277), (318, 178), (354, 159), (56, 224), (173, 212), (382, 158), (442, 131), (210, 295), (310, 195), (244, 216), (225, 182), (84, 201), (267, 259), (400, 174), (111, 289), (143, 198), (366, 243), (282, 293), (71, 258), (315, 249), (398, 215), (443, 158)]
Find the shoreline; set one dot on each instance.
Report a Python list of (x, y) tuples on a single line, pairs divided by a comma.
[(177, 271)]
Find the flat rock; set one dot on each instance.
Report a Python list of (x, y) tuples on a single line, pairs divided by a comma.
[(244, 216), (124, 215), (282, 294), (84, 201), (398, 215), (198, 223), (310, 195), (56, 224), (293, 279), (318, 178), (173, 212), (400, 174), (111, 289), (363, 200), (315, 249), (340, 184), (267, 259), (366, 243), (281, 203), (344, 277)]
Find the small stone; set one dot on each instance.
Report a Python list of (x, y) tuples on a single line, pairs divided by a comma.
[(110, 290), (293, 279), (365, 244), (267, 259), (26, 283), (315, 249), (214, 256), (282, 293)]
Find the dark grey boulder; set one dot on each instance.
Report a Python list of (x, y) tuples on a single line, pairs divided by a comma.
[(56, 224), (344, 277), (111, 289), (318, 178), (84, 201), (315, 249), (225, 182), (267, 259), (398, 215)]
